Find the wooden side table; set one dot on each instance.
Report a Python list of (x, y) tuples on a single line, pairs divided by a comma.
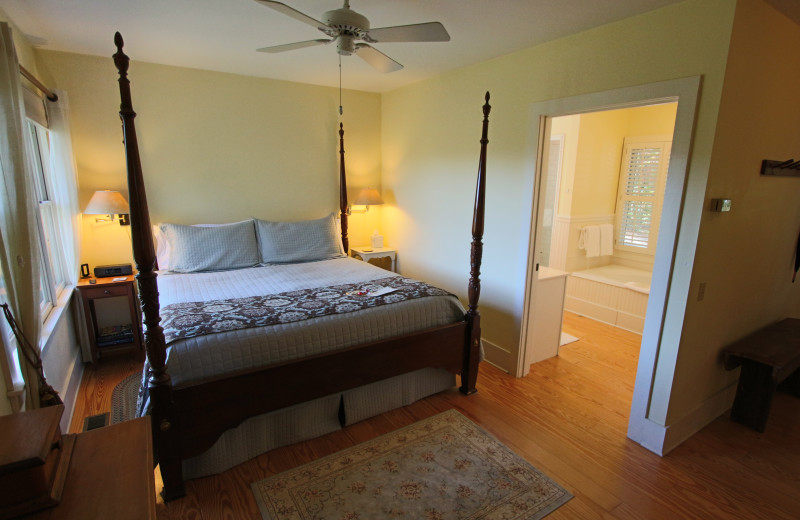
[(122, 336), (383, 257), (110, 475)]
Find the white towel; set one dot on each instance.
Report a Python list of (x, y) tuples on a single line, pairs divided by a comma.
[(606, 239), (591, 241)]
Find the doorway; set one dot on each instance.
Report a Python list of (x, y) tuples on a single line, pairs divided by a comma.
[(603, 187), (673, 258)]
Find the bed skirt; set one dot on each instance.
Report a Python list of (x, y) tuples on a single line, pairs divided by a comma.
[(315, 418)]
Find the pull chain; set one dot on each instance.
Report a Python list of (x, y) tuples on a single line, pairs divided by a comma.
[(340, 84)]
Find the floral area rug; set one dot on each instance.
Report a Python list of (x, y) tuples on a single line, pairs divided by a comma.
[(444, 467)]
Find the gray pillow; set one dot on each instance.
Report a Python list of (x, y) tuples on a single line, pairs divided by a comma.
[(304, 241), (217, 248)]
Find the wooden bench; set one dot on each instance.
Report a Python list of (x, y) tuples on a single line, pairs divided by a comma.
[(770, 360)]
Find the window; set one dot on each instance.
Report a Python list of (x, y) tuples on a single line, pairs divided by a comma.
[(641, 190), (53, 272)]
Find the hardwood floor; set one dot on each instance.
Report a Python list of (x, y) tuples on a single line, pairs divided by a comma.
[(568, 417)]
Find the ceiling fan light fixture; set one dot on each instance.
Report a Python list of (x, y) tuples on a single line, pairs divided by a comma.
[(346, 45)]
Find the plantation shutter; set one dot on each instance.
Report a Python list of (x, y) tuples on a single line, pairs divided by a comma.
[(641, 190)]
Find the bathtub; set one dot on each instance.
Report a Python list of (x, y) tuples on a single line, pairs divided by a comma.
[(613, 294)]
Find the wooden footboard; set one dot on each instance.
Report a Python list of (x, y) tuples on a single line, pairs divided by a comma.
[(188, 419), (237, 397)]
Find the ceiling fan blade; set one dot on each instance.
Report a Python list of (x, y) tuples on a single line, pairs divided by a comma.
[(292, 46), (419, 32), (376, 58), (294, 13)]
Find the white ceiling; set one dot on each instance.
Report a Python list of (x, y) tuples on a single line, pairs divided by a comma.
[(222, 35)]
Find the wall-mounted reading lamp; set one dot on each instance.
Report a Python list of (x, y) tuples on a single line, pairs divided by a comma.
[(367, 197), (107, 202)]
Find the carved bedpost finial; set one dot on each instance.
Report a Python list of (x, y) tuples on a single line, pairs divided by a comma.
[(121, 60)]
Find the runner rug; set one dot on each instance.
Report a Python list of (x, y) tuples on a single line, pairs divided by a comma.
[(444, 467)]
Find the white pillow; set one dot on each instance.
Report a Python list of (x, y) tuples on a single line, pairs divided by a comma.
[(162, 245), (162, 248), (210, 247), (303, 241)]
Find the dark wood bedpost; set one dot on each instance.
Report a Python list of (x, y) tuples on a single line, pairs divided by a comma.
[(343, 191), (469, 374), (164, 427)]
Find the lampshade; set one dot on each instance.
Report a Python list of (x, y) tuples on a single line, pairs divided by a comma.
[(107, 202), (368, 197)]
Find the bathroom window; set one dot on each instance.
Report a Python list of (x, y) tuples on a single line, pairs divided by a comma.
[(642, 180)]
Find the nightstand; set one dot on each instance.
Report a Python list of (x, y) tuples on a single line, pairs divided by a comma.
[(383, 257), (106, 336)]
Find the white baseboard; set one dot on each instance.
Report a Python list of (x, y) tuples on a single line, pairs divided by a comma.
[(663, 439), (698, 418), (497, 356), (69, 394)]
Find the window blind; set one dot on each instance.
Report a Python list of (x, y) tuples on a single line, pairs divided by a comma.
[(643, 173), (638, 201)]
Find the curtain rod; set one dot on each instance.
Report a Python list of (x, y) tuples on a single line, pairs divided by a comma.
[(38, 84)]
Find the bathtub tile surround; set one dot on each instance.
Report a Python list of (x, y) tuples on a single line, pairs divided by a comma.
[(613, 294)]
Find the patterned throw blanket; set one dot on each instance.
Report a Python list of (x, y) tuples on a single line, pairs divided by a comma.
[(187, 320)]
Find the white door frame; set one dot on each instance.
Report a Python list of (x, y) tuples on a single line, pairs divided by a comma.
[(677, 241)]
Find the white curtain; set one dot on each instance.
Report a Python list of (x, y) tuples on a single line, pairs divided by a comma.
[(65, 182), (18, 212)]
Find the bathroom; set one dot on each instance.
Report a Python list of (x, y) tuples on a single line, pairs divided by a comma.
[(602, 190)]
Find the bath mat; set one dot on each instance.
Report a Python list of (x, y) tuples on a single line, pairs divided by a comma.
[(123, 399), (567, 339), (440, 468)]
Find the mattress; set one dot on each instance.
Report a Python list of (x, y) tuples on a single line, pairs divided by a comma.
[(217, 354)]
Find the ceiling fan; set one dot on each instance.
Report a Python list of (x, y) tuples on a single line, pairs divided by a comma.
[(346, 27)]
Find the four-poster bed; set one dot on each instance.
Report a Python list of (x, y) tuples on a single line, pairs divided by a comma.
[(190, 415)]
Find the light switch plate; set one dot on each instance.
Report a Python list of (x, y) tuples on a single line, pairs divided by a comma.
[(720, 205)]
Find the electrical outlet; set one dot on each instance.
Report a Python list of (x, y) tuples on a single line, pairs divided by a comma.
[(701, 291)]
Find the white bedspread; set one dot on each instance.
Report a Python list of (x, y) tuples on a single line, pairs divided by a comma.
[(200, 357)]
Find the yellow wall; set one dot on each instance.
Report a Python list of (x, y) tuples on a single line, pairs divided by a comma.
[(755, 242), (652, 120), (597, 162), (430, 153), (215, 147)]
